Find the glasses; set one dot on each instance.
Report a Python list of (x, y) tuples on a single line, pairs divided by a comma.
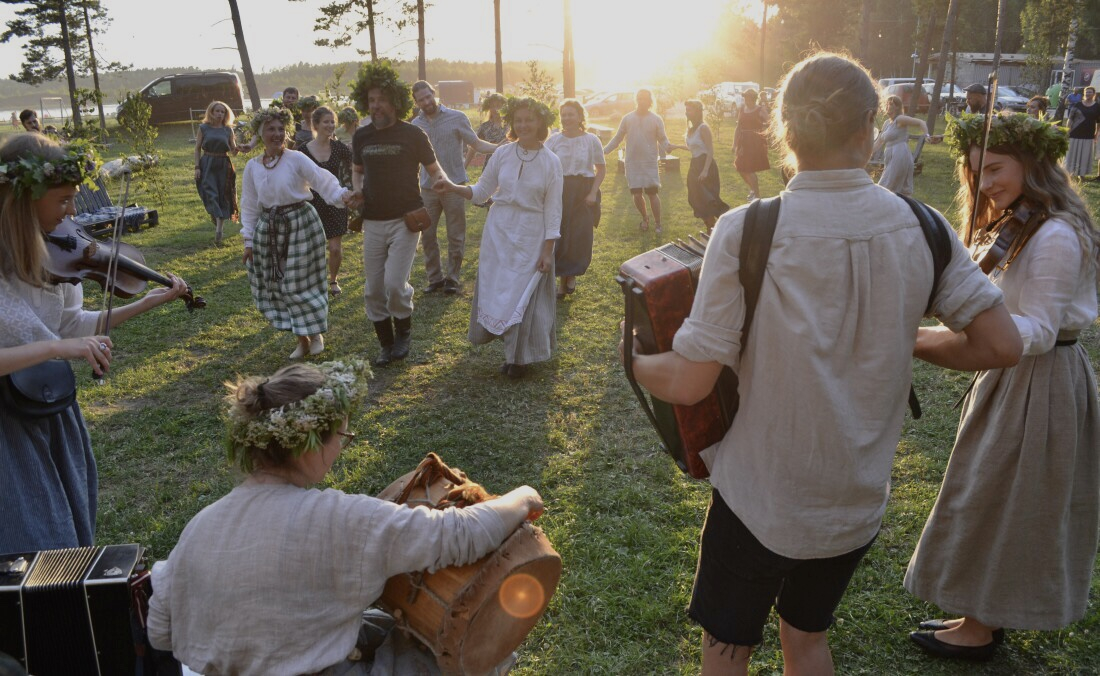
[(346, 438)]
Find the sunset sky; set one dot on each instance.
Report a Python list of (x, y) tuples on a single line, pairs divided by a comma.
[(617, 42)]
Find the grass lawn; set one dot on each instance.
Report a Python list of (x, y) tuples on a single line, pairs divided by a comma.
[(623, 518)]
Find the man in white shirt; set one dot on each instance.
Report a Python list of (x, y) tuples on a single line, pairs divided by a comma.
[(450, 132), (646, 142)]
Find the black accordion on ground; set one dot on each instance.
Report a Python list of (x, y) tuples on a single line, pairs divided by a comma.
[(74, 611)]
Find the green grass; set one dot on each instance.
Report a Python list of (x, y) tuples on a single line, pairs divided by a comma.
[(625, 521)]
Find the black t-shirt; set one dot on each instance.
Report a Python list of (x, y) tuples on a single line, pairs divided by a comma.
[(390, 159), (1086, 128)]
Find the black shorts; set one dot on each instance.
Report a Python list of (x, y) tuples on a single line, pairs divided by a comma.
[(739, 580), (651, 190)]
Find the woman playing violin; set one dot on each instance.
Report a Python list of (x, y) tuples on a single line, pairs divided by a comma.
[(1012, 537), (47, 471)]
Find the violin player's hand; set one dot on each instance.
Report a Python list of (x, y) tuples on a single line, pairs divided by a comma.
[(247, 257), (96, 350), (165, 294)]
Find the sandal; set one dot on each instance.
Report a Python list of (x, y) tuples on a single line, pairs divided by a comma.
[(572, 285), (334, 289)]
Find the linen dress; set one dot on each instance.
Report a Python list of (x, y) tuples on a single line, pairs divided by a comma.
[(512, 299), (48, 479), (1012, 537), (217, 182), (751, 148), (287, 273), (897, 161), (578, 156), (703, 196), (334, 219), (646, 141)]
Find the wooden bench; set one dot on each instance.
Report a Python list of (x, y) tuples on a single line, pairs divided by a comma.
[(665, 163), (96, 213)]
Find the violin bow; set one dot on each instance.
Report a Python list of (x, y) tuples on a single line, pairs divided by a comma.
[(112, 265), (989, 101)]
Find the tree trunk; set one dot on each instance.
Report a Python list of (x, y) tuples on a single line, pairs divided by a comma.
[(941, 65), (70, 73), (763, 34), (922, 67), (246, 63), (865, 32), (95, 68), (422, 63), (370, 28), (569, 69), (500, 61)]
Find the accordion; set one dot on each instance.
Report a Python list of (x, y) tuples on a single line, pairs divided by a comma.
[(73, 611), (659, 287)]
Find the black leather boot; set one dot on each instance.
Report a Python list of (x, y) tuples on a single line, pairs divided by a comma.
[(403, 328), (384, 331)]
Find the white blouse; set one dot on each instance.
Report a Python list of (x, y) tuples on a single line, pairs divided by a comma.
[(578, 154), (287, 182), (29, 314), (1050, 287)]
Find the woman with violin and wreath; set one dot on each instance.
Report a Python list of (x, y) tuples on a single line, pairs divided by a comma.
[(1012, 538), (48, 482)]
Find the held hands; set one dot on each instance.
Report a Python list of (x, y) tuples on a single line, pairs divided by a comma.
[(443, 186), (352, 199), (247, 257)]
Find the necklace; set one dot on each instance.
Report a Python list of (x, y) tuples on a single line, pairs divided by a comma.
[(524, 156), (274, 164)]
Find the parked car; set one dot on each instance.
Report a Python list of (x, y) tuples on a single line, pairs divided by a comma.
[(1010, 99), (726, 97), (885, 82), (617, 104), (951, 101), (905, 92), (176, 98)]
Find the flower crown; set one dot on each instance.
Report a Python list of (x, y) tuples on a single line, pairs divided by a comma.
[(1021, 131), (298, 426), (382, 75), (269, 114), (309, 103), (491, 99), (547, 115), (347, 115), (36, 174)]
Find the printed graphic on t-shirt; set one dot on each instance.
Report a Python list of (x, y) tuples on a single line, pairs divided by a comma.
[(382, 149)]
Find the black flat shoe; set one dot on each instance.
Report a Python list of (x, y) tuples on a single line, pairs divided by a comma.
[(933, 646), (940, 625)]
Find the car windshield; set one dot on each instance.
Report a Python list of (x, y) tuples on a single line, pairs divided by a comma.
[(1009, 91)]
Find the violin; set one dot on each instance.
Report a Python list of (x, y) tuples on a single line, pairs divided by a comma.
[(76, 256), (1008, 234)]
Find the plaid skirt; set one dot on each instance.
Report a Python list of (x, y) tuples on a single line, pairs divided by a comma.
[(287, 272)]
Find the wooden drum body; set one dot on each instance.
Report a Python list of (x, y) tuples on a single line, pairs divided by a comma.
[(472, 616)]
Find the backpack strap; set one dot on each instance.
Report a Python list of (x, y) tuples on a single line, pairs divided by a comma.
[(756, 244), (938, 235)]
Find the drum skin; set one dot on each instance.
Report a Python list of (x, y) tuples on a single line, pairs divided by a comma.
[(473, 616)]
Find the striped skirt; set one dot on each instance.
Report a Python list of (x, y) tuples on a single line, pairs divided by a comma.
[(287, 273)]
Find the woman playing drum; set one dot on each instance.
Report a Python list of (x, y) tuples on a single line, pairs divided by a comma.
[(274, 577)]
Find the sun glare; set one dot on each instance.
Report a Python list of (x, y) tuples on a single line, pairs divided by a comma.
[(621, 45)]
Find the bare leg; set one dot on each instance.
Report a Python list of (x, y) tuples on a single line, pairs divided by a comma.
[(335, 258), (655, 205), (709, 221), (750, 178), (723, 659), (805, 653), (967, 632), (639, 204)]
